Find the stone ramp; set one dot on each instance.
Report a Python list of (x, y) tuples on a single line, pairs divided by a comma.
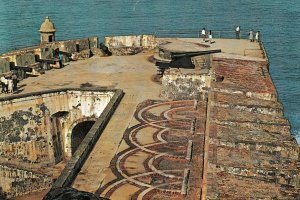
[(95, 168)]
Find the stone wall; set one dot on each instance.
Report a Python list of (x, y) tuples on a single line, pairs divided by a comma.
[(71, 170), (77, 45), (176, 85), (46, 53), (147, 41), (4, 65), (28, 56), (16, 182), (29, 124), (250, 151), (24, 59), (129, 45)]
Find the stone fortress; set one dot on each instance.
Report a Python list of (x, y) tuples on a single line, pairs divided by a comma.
[(207, 125)]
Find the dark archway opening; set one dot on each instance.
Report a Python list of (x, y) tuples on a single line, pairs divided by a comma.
[(79, 132)]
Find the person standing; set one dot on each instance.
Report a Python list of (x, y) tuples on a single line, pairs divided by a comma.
[(60, 58), (210, 36), (2, 79), (251, 36), (203, 34), (4, 83), (237, 32), (15, 82), (257, 36), (10, 86)]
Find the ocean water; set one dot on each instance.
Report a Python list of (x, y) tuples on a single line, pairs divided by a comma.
[(278, 21)]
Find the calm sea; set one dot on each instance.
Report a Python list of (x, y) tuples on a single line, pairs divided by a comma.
[(278, 21)]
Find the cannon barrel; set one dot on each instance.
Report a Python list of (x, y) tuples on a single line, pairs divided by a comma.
[(191, 54), (26, 69), (49, 61)]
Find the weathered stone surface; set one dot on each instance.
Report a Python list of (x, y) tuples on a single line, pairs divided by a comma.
[(31, 55), (4, 65), (47, 53), (78, 45), (94, 41), (28, 126), (16, 182), (84, 54), (36, 129), (25, 59), (71, 170), (251, 153), (98, 52), (123, 51), (177, 85), (145, 41), (129, 45)]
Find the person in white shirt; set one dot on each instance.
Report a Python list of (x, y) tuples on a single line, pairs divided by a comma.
[(4, 84), (257, 36), (210, 36), (237, 32), (10, 86), (203, 34), (251, 37)]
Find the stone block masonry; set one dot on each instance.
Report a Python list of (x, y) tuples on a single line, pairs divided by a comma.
[(31, 56), (77, 45), (16, 182), (76, 162), (130, 45), (146, 41), (24, 59), (234, 143), (4, 65), (176, 85), (29, 123), (36, 132), (250, 151)]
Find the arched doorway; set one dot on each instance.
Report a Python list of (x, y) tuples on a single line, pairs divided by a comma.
[(79, 132)]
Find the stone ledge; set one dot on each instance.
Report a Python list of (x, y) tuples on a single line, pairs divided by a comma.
[(39, 93)]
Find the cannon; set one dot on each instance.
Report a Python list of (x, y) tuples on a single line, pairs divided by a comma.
[(178, 54), (180, 60)]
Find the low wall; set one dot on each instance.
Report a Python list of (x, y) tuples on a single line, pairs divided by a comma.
[(76, 45), (4, 65), (74, 165), (147, 41), (129, 45), (28, 56)]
